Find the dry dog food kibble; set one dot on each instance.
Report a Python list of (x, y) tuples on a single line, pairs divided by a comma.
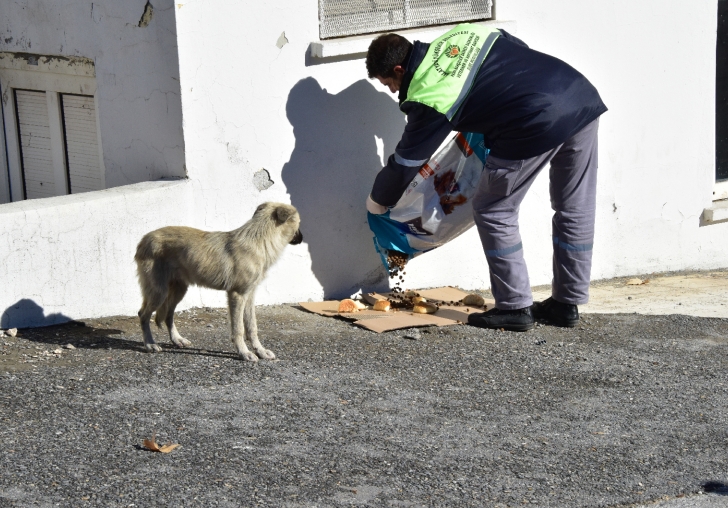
[(404, 299)]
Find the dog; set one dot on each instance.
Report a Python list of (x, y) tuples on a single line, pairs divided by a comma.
[(172, 258)]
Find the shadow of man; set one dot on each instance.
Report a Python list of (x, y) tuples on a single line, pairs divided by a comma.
[(330, 174)]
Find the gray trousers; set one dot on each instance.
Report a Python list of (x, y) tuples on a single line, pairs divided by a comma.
[(573, 182)]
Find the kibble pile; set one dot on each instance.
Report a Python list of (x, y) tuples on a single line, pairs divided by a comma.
[(402, 298)]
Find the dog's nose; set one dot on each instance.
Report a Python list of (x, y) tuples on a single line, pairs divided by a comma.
[(297, 238)]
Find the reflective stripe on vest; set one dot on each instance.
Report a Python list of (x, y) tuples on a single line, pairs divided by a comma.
[(446, 74)]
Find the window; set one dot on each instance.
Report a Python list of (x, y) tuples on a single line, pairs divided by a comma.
[(339, 18), (51, 127), (721, 104)]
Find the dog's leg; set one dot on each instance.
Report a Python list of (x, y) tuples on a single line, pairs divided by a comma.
[(177, 290), (236, 307), (251, 329), (154, 286), (145, 315)]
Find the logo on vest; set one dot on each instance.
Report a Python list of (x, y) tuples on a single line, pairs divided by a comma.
[(452, 51)]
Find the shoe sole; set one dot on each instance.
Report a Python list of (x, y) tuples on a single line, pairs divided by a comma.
[(563, 324), (508, 328), (518, 328)]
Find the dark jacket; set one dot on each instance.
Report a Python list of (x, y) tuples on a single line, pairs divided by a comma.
[(524, 103)]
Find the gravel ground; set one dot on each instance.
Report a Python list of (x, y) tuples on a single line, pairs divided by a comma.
[(622, 410)]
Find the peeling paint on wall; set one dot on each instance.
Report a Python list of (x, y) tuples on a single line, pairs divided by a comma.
[(147, 16), (261, 179), (282, 40), (74, 65)]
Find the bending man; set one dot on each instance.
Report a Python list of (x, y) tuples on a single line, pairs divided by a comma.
[(533, 110)]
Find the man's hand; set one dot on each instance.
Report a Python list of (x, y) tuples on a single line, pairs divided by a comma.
[(375, 208)]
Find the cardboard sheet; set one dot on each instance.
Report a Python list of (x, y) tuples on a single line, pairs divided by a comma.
[(385, 321), (330, 308)]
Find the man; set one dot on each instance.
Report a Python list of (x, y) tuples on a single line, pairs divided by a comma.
[(533, 110)]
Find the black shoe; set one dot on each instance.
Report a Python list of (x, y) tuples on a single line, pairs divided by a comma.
[(560, 314), (518, 320)]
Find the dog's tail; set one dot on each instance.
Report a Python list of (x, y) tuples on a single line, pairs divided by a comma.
[(148, 249)]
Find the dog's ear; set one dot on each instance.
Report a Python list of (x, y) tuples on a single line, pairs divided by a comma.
[(282, 214)]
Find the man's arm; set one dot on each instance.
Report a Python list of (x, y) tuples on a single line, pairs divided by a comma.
[(426, 129)]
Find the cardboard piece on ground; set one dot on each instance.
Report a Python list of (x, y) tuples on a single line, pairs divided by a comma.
[(330, 309), (387, 321)]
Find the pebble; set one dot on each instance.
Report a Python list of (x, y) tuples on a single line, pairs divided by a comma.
[(12, 332), (69, 346), (413, 335)]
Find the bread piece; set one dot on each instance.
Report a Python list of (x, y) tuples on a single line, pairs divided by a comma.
[(419, 299), (425, 308), (409, 293), (474, 300), (382, 305), (348, 305)]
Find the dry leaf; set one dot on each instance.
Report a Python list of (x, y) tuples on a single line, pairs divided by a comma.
[(151, 444), (634, 282), (168, 447)]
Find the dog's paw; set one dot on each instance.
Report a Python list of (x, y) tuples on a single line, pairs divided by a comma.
[(153, 348), (248, 356), (265, 354), (180, 342)]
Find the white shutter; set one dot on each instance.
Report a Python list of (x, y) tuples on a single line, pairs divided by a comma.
[(35, 144), (82, 149)]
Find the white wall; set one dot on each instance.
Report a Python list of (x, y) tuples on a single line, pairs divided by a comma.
[(653, 63), (69, 257), (321, 130), (137, 75), (314, 127)]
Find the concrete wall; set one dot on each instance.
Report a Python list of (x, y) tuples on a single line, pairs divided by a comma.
[(253, 100), (69, 257), (137, 75), (321, 128)]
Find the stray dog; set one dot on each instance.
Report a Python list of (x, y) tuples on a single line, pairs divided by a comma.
[(171, 258)]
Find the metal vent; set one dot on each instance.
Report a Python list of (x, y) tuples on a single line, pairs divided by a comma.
[(350, 17)]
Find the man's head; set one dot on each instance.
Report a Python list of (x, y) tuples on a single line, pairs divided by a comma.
[(385, 58)]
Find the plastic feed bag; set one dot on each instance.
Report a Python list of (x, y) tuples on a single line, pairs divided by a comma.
[(436, 206)]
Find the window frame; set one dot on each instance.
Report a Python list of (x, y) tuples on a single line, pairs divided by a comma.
[(429, 23), (54, 76), (720, 190)]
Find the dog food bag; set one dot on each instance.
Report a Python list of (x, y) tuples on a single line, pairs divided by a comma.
[(436, 206)]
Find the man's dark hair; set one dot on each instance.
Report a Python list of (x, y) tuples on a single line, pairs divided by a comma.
[(385, 53)]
